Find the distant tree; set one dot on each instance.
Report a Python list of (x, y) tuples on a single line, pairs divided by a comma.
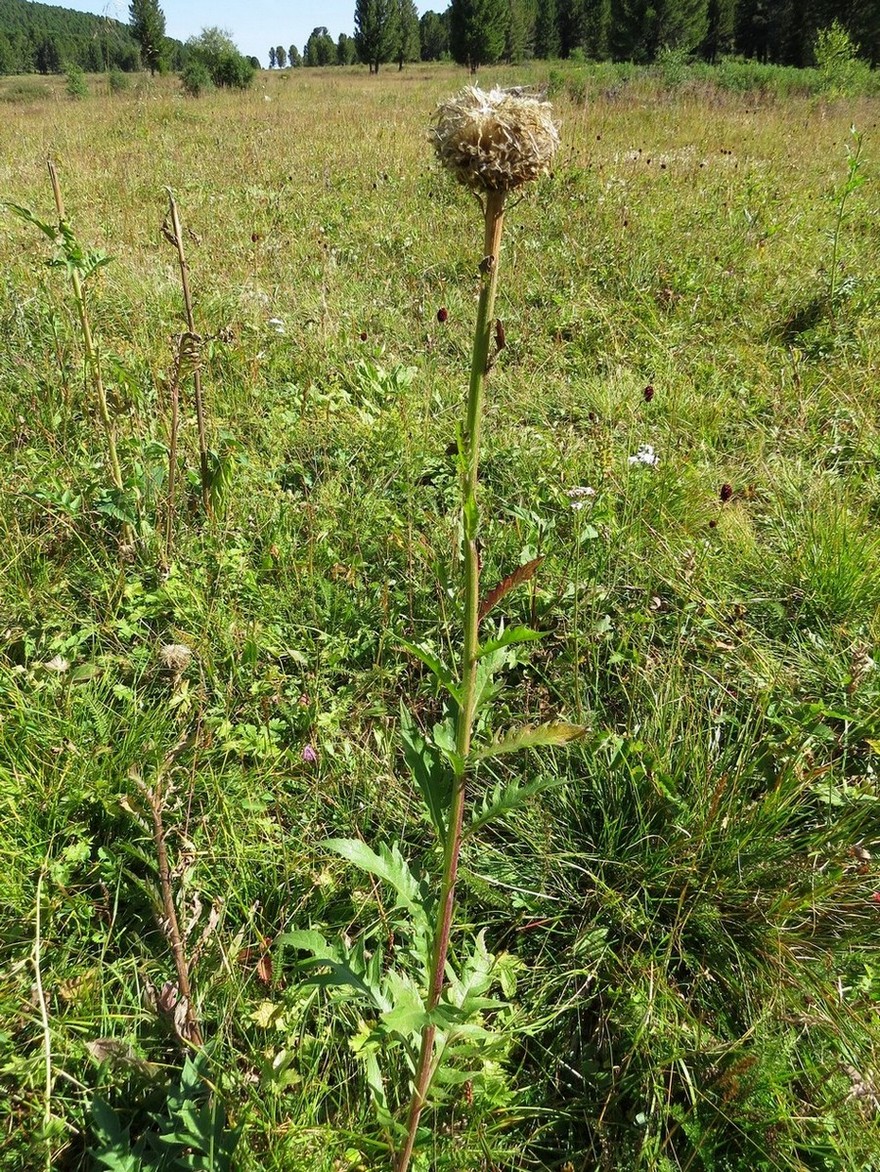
[(272, 57), (319, 49), (346, 50), (546, 30), (407, 47), (477, 30), (48, 56), (643, 27), (8, 57), (254, 63), (519, 37), (862, 21), (281, 56), (147, 22), (718, 40), (595, 29), (375, 31), (215, 49), (294, 57), (433, 36)]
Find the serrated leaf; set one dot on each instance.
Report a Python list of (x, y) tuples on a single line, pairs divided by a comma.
[(443, 736), (505, 798), (532, 736), (429, 772), (389, 865), (436, 666), (520, 575), (51, 230), (509, 637)]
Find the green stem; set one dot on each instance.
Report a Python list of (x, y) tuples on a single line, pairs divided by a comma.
[(470, 451), (176, 237), (92, 360)]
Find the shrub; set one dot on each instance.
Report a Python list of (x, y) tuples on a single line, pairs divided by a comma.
[(672, 65), (215, 50), (233, 71), (118, 81), (196, 79), (76, 83), (841, 70)]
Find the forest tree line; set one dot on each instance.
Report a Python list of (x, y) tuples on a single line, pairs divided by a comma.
[(479, 32), (41, 38)]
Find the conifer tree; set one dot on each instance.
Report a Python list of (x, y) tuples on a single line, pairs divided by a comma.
[(477, 31), (408, 46), (719, 29), (596, 29), (147, 21), (433, 35), (520, 35), (375, 31), (546, 30)]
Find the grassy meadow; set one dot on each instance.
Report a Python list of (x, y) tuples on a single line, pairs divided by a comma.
[(681, 931)]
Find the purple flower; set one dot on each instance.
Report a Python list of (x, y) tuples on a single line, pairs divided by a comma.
[(309, 755)]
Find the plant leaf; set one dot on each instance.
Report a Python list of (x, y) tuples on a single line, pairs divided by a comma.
[(51, 230), (505, 798), (520, 574), (389, 865), (437, 668), (532, 736), (429, 772), (511, 635)]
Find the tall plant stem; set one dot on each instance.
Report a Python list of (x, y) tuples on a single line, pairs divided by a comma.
[(172, 452), (174, 235), (44, 1018), (470, 456), (92, 360), (155, 800)]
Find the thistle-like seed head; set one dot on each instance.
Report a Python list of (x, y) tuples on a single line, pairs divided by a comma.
[(495, 141), (175, 657)]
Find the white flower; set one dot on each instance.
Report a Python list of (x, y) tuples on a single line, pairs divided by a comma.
[(276, 324), (645, 455), (579, 495), (58, 664)]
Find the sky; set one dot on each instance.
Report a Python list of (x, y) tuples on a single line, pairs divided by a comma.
[(254, 24)]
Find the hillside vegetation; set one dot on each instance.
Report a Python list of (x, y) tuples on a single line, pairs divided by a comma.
[(45, 38), (669, 952)]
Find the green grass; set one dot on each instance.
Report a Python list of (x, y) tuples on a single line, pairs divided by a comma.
[(691, 916)]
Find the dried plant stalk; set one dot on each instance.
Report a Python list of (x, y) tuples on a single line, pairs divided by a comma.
[(172, 232), (493, 143)]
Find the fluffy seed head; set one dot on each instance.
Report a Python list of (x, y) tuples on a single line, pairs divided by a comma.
[(175, 657), (495, 141)]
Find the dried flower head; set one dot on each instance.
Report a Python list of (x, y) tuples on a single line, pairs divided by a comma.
[(495, 141), (175, 657)]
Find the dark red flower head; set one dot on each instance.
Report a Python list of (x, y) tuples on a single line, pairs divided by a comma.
[(363, 335), (648, 393), (442, 314), (726, 492)]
